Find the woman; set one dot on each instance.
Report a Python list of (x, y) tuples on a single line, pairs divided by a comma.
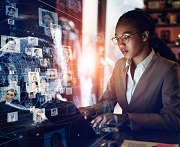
[(47, 18), (9, 46), (34, 85), (146, 85), (10, 95)]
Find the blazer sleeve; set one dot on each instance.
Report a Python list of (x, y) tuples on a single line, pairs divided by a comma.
[(169, 116), (108, 99)]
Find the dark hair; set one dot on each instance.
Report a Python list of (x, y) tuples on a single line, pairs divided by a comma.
[(36, 50), (10, 39), (43, 78), (11, 8), (144, 22), (47, 13), (35, 82)]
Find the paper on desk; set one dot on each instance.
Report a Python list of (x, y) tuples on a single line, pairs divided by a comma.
[(131, 143)]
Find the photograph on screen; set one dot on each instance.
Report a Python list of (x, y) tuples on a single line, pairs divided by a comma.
[(39, 115), (33, 76), (32, 41), (44, 62), (43, 81), (28, 51), (33, 82), (11, 22), (11, 11), (37, 52), (67, 53), (46, 17), (55, 138), (54, 111), (10, 94), (47, 51), (10, 44), (51, 73), (11, 68), (12, 117), (13, 79), (75, 5), (32, 94)]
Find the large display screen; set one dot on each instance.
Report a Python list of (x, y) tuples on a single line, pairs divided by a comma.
[(40, 46)]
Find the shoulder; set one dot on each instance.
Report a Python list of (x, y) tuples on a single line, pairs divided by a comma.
[(164, 63), (121, 62)]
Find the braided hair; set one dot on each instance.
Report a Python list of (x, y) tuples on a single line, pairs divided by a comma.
[(144, 22)]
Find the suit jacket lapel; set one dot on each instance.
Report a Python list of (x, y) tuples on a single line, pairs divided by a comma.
[(124, 87), (143, 78)]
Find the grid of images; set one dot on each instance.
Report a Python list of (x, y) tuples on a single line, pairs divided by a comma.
[(37, 64), (29, 69)]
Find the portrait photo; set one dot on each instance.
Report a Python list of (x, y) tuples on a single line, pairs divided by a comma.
[(39, 115), (13, 91), (51, 73), (10, 44), (32, 95), (67, 53), (47, 17), (75, 5), (37, 52), (54, 112), (11, 11), (32, 41), (33, 76), (45, 62), (55, 138), (13, 79), (28, 51), (12, 117), (11, 22)]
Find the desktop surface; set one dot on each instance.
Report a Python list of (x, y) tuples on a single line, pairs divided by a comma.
[(73, 131)]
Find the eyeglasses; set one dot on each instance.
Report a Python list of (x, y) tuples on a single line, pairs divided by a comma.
[(124, 38)]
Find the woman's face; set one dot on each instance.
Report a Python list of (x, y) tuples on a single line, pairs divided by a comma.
[(9, 96), (52, 73), (34, 86), (135, 47), (11, 45), (66, 54), (47, 19)]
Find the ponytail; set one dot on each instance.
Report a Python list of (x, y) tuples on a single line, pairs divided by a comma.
[(160, 47)]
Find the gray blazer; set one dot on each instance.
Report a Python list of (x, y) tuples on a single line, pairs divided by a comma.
[(155, 103)]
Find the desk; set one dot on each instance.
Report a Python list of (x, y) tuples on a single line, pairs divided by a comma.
[(36, 136), (74, 129), (149, 136)]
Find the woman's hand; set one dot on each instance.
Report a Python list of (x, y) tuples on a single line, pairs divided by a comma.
[(104, 119), (110, 118)]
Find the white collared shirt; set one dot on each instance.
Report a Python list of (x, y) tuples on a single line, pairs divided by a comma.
[(8, 102), (132, 83)]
